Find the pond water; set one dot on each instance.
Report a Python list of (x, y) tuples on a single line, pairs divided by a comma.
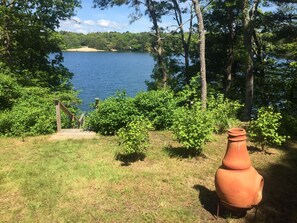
[(101, 74)]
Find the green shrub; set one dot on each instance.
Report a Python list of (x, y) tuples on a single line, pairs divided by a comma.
[(223, 111), (190, 93), (112, 114), (33, 113), (192, 127), (6, 122), (135, 136), (157, 106), (263, 130), (9, 88)]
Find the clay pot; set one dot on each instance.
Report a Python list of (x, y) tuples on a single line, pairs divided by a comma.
[(238, 184), (239, 188), (237, 156)]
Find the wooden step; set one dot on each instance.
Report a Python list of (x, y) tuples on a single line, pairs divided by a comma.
[(73, 134)]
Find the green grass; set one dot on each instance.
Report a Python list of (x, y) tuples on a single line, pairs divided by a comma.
[(81, 181)]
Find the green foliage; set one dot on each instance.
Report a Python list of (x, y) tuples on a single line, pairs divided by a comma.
[(192, 127), (264, 130), (223, 111), (9, 89), (112, 114), (28, 37), (107, 41), (134, 136), (157, 106), (191, 92), (33, 113)]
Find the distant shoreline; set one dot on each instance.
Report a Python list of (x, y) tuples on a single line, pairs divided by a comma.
[(84, 49)]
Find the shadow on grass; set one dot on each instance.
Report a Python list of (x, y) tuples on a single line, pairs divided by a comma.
[(182, 152), (253, 149), (279, 195), (127, 159), (209, 201)]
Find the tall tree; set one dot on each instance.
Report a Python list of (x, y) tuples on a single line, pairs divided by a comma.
[(224, 29), (158, 46), (249, 15), (185, 39), (201, 52), (27, 37)]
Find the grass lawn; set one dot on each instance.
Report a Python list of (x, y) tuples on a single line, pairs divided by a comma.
[(81, 181)]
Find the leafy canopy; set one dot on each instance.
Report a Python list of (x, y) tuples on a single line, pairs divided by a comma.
[(29, 45)]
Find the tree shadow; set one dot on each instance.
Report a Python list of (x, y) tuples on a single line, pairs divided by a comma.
[(254, 149), (209, 201), (127, 159), (279, 195), (182, 152)]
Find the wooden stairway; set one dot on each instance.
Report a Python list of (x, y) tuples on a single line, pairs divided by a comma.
[(74, 133)]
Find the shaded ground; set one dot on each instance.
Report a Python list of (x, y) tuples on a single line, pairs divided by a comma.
[(280, 189), (82, 181)]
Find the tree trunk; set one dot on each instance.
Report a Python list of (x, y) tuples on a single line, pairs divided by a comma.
[(201, 52), (159, 45), (248, 29), (185, 42), (6, 51), (230, 54)]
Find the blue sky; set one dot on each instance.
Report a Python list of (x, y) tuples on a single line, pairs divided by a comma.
[(88, 20)]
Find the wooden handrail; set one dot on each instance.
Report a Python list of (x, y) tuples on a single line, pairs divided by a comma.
[(60, 106), (81, 119)]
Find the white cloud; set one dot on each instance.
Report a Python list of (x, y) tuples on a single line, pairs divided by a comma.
[(89, 22), (76, 24), (109, 24)]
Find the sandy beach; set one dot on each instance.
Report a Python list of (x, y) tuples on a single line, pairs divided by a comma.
[(84, 49)]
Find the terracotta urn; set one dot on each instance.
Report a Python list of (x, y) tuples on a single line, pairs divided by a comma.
[(237, 156), (238, 184)]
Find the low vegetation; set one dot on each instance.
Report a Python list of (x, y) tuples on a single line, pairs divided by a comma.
[(135, 136), (29, 110), (192, 127), (263, 131)]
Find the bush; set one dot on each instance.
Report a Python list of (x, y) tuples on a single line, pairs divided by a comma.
[(112, 114), (223, 111), (191, 93), (192, 127), (263, 130), (33, 113), (157, 106), (134, 136), (9, 88)]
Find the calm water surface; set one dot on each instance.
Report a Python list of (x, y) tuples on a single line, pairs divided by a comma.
[(101, 74)]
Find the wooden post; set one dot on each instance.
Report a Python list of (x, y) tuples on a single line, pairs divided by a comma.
[(97, 101), (72, 121), (58, 115)]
